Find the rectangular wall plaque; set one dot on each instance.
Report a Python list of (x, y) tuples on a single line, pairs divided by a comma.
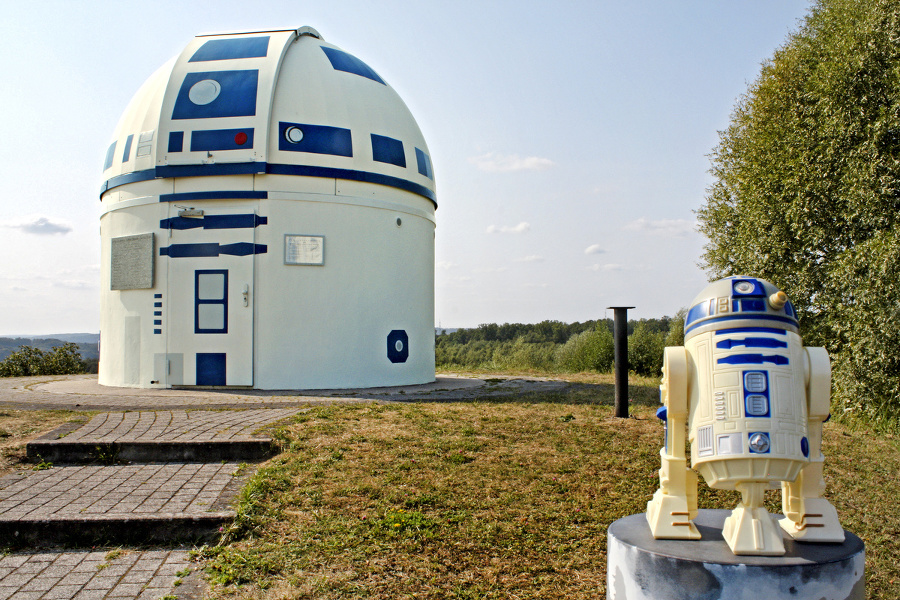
[(304, 249), (131, 262)]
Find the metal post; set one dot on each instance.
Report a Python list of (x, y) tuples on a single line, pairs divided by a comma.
[(620, 349)]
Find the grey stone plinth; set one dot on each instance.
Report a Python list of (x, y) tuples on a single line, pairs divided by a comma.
[(642, 568)]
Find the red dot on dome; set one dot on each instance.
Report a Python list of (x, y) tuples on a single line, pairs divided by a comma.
[(240, 139)]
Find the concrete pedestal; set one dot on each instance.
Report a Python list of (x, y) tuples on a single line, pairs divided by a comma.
[(642, 568)]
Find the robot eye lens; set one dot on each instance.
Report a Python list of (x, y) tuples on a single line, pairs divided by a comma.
[(743, 287)]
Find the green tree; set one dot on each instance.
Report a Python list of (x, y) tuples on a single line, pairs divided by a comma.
[(587, 351), (807, 193), (60, 360), (645, 350)]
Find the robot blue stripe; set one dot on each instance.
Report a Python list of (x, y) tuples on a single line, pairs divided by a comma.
[(317, 139), (157, 331), (743, 317), (157, 313), (752, 330), (176, 141), (157, 295), (227, 49), (753, 359), (212, 250), (126, 152), (109, 156), (220, 195), (271, 168), (423, 162), (752, 343), (236, 95), (245, 221), (388, 150), (342, 61), (222, 139)]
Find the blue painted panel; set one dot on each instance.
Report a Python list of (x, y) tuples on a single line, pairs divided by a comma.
[(212, 250), (157, 331), (157, 321), (753, 305), (237, 97), (397, 346), (752, 330), (219, 195), (317, 139), (789, 310), (342, 61), (243, 47), (157, 295), (176, 141), (157, 313), (157, 305), (109, 156), (753, 359), (126, 152), (423, 162), (222, 139), (751, 342), (758, 289), (388, 150), (210, 368), (220, 300), (214, 222), (698, 311), (757, 395), (213, 170)]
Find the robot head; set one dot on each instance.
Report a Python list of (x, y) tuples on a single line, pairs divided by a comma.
[(740, 302)]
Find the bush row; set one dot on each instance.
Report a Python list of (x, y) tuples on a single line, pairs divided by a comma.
[(60, 360)]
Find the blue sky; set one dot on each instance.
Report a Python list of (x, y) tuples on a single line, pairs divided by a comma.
[(569, 139)]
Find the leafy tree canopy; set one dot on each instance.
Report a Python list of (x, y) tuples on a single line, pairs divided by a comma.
[(807, 193)]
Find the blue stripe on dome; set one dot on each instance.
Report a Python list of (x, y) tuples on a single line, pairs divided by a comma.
[(243, 47), (109, 156), (317, 139), (249, 168), (126, 153), (423, 162), (743, 317), (342, 61), (221, 139)]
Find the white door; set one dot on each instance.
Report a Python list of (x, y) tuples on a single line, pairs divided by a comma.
[(210, 250)]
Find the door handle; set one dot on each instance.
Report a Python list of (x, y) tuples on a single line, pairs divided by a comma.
[(246, 294)]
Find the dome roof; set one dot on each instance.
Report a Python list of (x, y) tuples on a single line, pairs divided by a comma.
[(740, 301), (277, 102)]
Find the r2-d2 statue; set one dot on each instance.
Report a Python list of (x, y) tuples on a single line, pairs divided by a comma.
[(754, 400)]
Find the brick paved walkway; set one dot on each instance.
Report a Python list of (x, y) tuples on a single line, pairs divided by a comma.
[(64, 493), (177, 425), (85, 575)]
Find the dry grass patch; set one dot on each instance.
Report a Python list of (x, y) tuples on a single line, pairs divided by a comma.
[(18, 427), (483, 500)]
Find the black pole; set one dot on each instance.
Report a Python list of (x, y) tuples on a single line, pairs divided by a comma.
[(620, 349)]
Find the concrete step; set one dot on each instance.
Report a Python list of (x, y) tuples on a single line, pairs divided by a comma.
[(119, 504), (160, 436)]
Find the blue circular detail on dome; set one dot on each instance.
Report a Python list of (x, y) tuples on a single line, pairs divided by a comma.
[(397, 346), (804, 447)]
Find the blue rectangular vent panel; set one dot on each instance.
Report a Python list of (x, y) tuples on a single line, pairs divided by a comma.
[(109, 156), (424, 164), (342, 61), (388, 150), (219, 93), (176, 141), (210, 368), (317, 139), (245, 221), (222, 139), (126, 152), (212, 250), (243, 47)]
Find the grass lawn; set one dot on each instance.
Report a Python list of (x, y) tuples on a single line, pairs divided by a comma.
[(18, 427), (490, 499)]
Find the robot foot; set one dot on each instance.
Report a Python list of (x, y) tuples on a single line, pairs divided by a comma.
[(752, 531), (670, 519), (819, 523)]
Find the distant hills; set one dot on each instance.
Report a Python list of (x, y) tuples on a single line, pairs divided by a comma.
[(87, 343)]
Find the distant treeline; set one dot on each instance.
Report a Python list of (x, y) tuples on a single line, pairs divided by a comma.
[(9, 345), (64, 359), (558, 346)]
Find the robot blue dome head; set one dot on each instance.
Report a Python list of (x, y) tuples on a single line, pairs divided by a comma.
[(740, 301)]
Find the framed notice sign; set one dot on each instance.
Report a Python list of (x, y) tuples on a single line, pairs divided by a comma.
[(304, 249)]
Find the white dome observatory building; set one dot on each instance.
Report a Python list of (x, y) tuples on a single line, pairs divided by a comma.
[(267, 222)]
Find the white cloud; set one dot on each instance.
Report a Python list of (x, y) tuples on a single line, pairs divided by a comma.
[(445, 265), (39, 225), (493, 162), (664, 227), (520, 228), (531, 258), (74, 284), (594, 249), (606, 267), (490, 270)]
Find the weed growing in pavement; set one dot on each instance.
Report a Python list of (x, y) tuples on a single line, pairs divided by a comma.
[(42, 464)]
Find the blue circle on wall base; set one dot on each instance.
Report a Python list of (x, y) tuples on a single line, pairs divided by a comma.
[(397, 346)]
